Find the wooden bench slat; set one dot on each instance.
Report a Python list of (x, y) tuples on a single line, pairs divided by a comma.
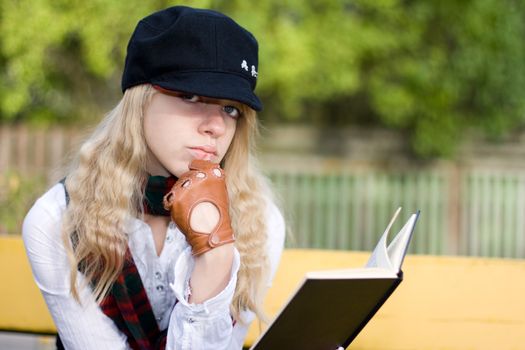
[(443, 303)]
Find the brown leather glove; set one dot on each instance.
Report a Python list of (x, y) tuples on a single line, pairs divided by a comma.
[(205, 182)]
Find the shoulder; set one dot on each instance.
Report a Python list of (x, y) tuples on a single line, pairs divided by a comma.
[(49, 206), (43, 221)]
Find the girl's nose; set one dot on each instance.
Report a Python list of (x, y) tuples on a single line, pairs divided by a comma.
[(213, 122)]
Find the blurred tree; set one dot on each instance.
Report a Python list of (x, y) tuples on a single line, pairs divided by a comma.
[(60, 59), (433, 69)]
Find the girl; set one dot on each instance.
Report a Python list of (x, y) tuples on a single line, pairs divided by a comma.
[(125, 261)]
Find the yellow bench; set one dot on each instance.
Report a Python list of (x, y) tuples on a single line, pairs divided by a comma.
[(443, 303)]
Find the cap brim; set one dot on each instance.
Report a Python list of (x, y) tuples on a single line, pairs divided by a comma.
[(218, 85)]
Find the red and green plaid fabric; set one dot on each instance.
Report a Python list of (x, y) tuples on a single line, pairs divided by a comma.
[(128, 306), (127, 303)]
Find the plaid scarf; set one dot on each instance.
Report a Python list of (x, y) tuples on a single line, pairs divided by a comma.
[(127, 303), (128, 306)]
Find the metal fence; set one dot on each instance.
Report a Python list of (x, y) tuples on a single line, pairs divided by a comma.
[(464, 210), (462, 213), (493, 208)]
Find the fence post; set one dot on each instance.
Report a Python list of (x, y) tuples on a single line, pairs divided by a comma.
[(454, 208), (5, 148)]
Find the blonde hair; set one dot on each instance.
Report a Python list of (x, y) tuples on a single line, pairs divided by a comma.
[(249, 194), (106, 187)]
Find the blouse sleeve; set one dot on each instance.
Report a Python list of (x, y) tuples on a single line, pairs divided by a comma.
[(209, 325), (79, 326), (276, 238)]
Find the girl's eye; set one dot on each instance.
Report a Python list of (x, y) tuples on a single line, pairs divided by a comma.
[(232, 111), (190, 97)]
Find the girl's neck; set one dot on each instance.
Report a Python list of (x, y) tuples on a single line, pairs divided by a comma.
[(159, 228)]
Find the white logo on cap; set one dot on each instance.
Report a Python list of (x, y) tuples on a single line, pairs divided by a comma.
[(244, 65)]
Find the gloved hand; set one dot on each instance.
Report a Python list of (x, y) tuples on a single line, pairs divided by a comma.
[(204, 183)]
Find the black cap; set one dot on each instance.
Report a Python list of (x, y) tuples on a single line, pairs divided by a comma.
[(196, 51)]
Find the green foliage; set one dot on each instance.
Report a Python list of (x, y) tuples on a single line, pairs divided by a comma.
[(432, 69), (17, 195)]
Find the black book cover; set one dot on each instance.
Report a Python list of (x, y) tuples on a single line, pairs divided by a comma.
[(330, 308), (327, 313)]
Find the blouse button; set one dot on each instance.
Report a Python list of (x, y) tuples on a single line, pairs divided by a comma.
[(158, 275), (169, 238), (191, 320), (160, 288)]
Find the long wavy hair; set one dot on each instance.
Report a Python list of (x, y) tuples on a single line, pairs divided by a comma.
[(106, 187)]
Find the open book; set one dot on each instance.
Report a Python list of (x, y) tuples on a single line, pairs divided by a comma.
[(330, 308)]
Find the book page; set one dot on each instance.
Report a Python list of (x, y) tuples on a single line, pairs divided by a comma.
[(361, 272), (399, 245), (379, 257)]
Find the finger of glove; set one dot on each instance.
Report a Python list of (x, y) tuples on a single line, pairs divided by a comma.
[(169, 198), (188, 182), (182, 182), (203, 165), (199, 169), (212, 176), (197, 189)]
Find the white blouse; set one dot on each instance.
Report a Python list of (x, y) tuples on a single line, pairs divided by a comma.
[(85, 326)]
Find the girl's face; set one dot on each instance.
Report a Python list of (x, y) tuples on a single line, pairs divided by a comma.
[(180, 127)]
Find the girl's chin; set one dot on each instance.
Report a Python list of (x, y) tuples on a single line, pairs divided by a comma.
[(176, 170), (180, 169)]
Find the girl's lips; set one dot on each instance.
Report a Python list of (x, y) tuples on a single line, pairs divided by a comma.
[(201, 153)]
